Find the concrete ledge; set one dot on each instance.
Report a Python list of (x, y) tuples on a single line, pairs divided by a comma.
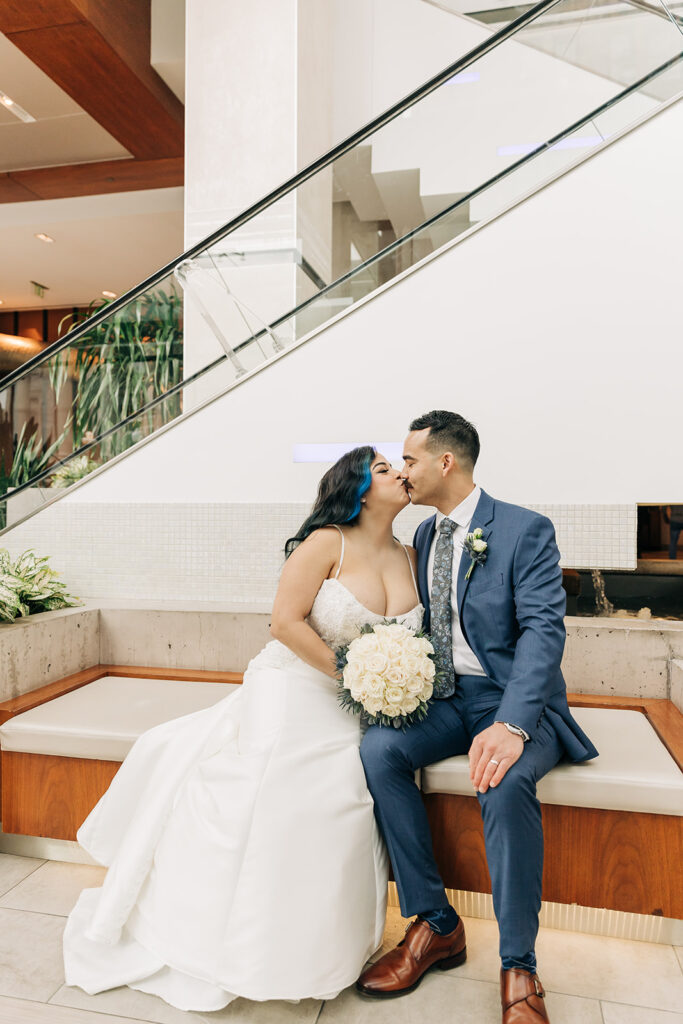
[(45, 647), (603, 656), (629, 657)]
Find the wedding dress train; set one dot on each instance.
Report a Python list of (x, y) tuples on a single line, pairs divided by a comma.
[(242, 850)]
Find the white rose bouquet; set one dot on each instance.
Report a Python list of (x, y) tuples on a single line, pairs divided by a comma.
[(388, 672)]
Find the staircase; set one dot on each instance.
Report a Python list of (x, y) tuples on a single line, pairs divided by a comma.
[(426, 174)]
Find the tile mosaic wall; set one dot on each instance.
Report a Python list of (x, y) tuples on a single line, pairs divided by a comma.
[(233, 552)]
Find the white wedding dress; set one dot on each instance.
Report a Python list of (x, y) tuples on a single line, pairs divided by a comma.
[(244, 858)]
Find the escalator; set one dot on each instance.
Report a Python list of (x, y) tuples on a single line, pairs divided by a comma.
[(486, 132)]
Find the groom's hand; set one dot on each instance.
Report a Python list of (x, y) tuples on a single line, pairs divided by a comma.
[(495, 744)]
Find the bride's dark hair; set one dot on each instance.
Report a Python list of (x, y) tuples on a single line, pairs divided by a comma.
[(339, 493)]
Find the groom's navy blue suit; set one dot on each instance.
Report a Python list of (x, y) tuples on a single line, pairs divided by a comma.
[(512, 616)]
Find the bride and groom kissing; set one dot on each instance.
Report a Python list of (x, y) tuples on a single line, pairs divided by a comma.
[(248, 843)]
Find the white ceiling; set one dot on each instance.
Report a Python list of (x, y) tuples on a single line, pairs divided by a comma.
[(100, 242), (62, 132)]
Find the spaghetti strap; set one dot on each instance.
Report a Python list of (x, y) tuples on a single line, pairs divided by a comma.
[(341, 559), (410, 562)]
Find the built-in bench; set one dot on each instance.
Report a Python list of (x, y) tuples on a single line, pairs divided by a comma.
[(613, 826), (63, 743)]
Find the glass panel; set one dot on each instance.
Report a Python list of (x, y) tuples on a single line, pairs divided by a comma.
[(517, 112)]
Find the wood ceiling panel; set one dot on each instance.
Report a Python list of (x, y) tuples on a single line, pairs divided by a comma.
[(12, 191), (91, 179), (25, 15), (108, 75)]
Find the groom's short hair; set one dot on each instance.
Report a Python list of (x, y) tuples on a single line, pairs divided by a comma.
[(448, 431)]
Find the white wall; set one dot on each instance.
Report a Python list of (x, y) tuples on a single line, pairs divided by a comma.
[(556, 329)]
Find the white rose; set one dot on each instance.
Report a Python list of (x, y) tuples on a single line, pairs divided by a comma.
[(362, 694), (411, 664), (392, 710), (375, 685), (412, 645), (427, 691), (429, 670), (373, 705), (394, 651), (414, 685), (409, 705), (377, 662), (395, 676), (426, 646), (479, 545), (368, 643), (394, 694), (478, 532), (352, 672)]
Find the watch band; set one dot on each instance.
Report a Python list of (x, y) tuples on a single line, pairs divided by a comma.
[(516, 730)]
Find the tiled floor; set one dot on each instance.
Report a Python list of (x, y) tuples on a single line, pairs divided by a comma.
[(590, 979)]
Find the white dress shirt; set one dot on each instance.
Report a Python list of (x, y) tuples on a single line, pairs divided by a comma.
[(465, 662)]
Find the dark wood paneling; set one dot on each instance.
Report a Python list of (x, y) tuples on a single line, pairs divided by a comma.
[(51, 796), (12, 191), (23, 16), (95, 178), (97, 51), (620, 860)]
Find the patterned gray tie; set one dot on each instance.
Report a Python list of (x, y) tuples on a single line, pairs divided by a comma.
[(440, 601)]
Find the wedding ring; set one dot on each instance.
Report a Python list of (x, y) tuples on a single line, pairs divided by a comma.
[(493, 761)]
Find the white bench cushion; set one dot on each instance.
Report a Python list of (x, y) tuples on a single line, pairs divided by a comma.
[(634, 771), (102, 719)]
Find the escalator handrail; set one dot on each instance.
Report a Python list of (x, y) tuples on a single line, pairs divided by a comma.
[(176, 388), (307, 172)]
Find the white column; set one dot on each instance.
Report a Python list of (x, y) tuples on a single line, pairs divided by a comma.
[(257, 108)]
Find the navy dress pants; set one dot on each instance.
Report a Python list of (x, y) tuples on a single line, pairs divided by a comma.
[(511, 812)]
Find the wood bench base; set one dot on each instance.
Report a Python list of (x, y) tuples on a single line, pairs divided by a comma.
[(617, 860)]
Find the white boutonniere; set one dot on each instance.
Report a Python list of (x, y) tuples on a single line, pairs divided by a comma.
[(476, 549)]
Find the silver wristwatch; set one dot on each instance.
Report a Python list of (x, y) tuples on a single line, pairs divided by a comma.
[(517, 730)]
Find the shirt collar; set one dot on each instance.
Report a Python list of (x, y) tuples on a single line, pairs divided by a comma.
[(462, 513)]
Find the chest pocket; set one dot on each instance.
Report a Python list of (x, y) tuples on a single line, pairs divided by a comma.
[(490, 582)]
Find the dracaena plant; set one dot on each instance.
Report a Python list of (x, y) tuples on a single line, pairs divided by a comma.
[(31, 457), (132, 357), (28, 585)]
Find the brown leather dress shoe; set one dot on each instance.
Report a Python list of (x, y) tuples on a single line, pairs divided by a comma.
[(402, 969), (521, 995)]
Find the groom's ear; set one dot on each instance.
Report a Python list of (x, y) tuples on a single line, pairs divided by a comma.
[(448, 463)]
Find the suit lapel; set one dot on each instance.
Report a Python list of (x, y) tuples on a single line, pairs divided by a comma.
[(483, 515), (423, 560)]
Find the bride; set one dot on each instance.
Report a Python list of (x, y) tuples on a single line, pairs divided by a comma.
[(243, 854)]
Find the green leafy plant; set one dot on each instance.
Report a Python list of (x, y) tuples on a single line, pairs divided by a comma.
[(28, 585), (30, 458), (72, 471), (132, 357)]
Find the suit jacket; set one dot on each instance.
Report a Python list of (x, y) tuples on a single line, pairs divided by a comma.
[(512, 615)]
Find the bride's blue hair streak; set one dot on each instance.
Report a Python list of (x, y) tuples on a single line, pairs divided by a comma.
[(339, 494)]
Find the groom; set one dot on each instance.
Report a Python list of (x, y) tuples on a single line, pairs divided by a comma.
[(498, 633)]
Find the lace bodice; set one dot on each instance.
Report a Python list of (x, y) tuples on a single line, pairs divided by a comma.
[(336, 616)]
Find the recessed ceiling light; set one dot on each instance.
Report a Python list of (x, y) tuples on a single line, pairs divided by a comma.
[(43, 237), (109, 295), (14, 108)]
